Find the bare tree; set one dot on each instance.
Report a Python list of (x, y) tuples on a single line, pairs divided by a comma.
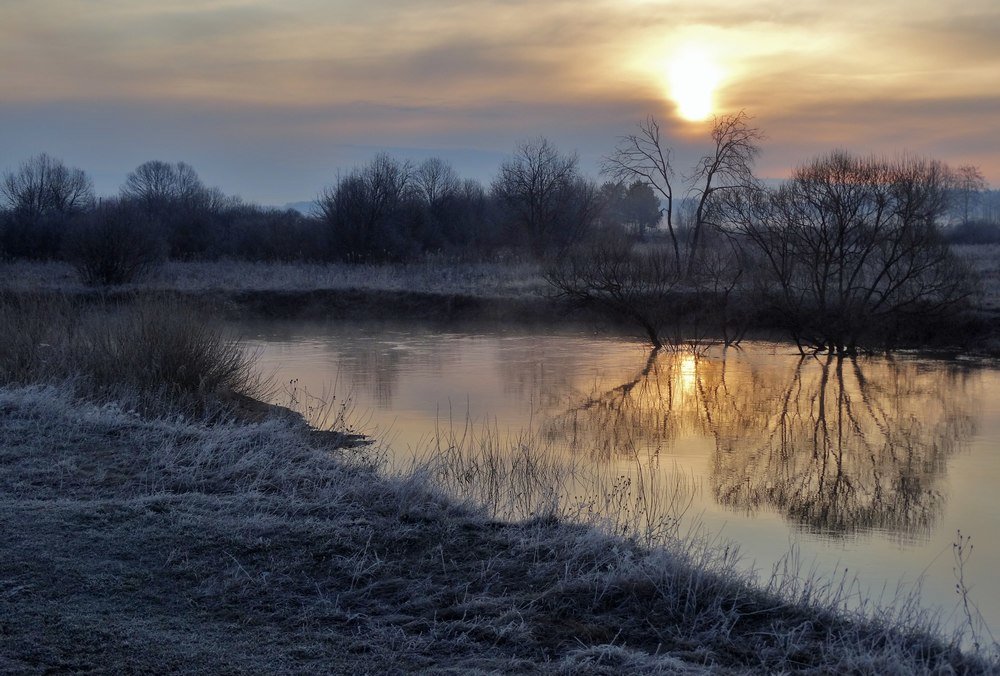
[(970, 183), (175, 201), (437, 214), (362, 209), (44, 186), (645, 287), (113, 245), (436, 180), (543, 196), (158, 186), (682, 294), (644, 156), (42, 195), (729, 166), (151, 184), (639, 288), (852, 249)]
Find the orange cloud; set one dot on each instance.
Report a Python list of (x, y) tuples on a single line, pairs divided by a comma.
[(914, 73)]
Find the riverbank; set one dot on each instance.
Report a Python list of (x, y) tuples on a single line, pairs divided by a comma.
[(140, 543), (492, 292), (154, 519), (506, 293)]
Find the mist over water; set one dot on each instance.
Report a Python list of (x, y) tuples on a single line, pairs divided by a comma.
[(868, 466)]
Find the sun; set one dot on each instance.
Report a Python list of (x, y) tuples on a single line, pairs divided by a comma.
[(692, 80)]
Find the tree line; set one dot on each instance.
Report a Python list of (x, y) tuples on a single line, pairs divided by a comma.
[(847, 253), (385, 210)]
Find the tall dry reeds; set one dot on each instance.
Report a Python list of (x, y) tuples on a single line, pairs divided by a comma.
[(162, 349), (517, 477)]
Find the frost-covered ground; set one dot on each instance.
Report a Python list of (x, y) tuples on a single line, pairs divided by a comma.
[(136, 543), (491, 279)]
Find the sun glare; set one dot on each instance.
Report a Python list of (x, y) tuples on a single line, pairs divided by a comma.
[(692, 80), (688, 373)]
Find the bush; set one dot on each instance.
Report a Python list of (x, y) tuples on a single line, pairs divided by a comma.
[(146, 350), (163, 347), (113, 245)]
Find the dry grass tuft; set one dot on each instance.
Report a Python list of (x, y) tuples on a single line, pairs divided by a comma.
[(143, 351), (522, 477)]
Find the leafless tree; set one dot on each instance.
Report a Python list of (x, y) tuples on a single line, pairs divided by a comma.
[(436, 180), (543, 196), (158, 185), (852, 248), (45, 187), (175, 201), (646, 288), (113, 245), (42, 196), (728, 167), (970, 183), (644, 156), (361, 207), (680, 295), (608, 274)]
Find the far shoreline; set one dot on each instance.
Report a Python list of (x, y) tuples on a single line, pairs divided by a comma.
[(501, 293)]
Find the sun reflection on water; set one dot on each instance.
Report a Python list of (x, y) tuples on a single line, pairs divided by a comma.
[(688, 372), (835, 446)]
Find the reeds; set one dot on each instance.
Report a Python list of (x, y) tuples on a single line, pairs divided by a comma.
[(521, 476), (144, 350)]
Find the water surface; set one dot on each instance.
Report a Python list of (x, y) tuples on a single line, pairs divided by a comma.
[(868, 466)]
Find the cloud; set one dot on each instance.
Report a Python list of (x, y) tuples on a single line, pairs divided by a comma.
[(485, 73)]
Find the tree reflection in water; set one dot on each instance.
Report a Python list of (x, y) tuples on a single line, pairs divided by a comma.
[(838, 446)]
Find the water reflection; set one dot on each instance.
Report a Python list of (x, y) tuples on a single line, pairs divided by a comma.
[(374, 367), (836, 446), (774, 443)]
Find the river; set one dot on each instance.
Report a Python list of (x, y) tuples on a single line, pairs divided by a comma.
[(866, 469)]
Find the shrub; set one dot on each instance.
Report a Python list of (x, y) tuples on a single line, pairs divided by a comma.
[(113, 245), (144, 350), (162, 347)]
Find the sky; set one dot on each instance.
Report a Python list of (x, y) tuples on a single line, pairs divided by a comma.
[(271, 99)]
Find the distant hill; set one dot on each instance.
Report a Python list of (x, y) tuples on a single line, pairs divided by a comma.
[(305, 208)]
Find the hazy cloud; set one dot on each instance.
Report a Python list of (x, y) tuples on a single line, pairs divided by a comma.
[(307, 74)]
